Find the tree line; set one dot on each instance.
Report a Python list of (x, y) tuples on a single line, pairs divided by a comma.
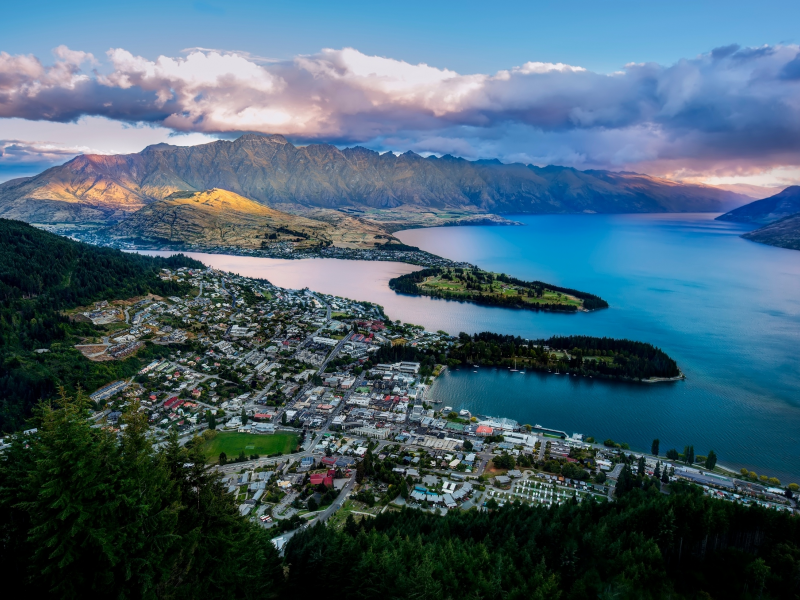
[(643, 545), (604, 357)]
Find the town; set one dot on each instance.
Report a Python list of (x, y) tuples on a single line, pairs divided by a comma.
[(298, 400)]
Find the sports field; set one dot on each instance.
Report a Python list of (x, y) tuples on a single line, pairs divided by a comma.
[(232, 443)]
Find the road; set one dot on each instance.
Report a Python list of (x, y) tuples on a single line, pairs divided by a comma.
[(320, 517), (334, 352)]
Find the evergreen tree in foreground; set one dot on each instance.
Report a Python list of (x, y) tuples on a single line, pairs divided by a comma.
[(85, 514)]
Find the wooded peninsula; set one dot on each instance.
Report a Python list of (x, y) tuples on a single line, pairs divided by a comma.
[(494, 289)]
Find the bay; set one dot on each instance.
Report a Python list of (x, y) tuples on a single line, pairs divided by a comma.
[(726, 309)]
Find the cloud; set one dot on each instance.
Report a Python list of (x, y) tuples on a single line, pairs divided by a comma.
[(728, 111)]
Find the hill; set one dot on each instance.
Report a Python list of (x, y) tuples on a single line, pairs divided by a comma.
[(274, 172), (217, 217), (41, 276), (768, 210), (784, 233)]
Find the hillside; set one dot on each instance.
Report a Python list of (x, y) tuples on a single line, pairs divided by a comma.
[(274, 172), (214, 218), (784, 233), (768, 210), (42, 275)]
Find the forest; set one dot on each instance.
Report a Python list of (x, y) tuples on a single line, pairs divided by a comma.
[(134, 521), (480, 287), (582, 355), (599, 357), (643, 545), (42, 275)]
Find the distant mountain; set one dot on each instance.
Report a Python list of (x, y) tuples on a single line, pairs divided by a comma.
[(768, 210), (756, 192), (784, 233), (273, 172), (214, 218)]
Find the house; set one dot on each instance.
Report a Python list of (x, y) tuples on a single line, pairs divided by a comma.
[(484, 430)]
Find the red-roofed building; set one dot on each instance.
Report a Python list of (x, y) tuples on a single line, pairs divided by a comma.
[(484, 430), (328, 461), (316, 478), (196, 392), (173, 402), (262, 416)]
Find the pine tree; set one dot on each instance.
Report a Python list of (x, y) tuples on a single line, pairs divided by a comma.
[(711, 460), (654, 447)]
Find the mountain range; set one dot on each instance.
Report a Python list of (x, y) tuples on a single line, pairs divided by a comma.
[(270, 170), (779, 216)]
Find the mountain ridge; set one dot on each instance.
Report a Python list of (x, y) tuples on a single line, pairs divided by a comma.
[(270, 170), (778, 215), (768, 210)]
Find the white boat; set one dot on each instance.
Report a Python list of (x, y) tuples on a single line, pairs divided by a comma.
[(514, 370), (448, 409)]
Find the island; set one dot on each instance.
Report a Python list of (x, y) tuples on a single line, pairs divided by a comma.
[(494, 289)]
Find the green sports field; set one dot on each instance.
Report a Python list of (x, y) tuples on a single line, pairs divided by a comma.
[(232, 443)]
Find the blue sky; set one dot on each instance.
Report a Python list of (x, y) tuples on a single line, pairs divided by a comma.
[(466, 36), (462, 41)]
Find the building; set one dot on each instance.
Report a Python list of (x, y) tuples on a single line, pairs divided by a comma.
[(109, 390), (372, 432), (307, 463)]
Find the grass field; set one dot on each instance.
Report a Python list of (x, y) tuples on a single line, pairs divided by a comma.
[(497, 288), (232, 443)]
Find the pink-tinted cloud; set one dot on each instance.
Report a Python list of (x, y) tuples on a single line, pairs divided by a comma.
[(730, 110)]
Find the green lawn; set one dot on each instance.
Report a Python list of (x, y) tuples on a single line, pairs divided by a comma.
[(498, 289), (232, 443)]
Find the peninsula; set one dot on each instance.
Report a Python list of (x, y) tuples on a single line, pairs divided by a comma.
[(494, 289)]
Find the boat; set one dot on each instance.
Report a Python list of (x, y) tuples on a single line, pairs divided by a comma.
[(476, 366), (448, 409), (514, 370)]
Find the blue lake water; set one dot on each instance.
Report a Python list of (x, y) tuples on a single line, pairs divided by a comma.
[(726, 309)]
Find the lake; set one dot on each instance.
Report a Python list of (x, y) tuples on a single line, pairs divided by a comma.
[(726, 309)]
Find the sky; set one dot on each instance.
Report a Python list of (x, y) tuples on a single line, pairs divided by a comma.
[(697, 91)]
